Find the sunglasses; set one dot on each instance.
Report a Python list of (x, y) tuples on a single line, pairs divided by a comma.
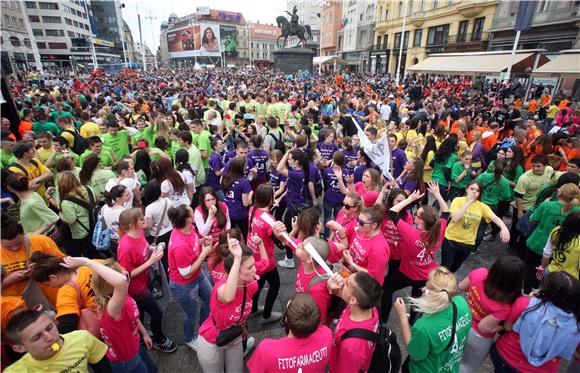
[(348, 207), (362, 222)]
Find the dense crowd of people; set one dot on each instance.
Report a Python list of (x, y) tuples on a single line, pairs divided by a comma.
[(123, 192)]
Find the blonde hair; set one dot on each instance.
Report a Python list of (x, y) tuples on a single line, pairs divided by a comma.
[(441, 286), (103, 290), (128, 218), (569, 194)]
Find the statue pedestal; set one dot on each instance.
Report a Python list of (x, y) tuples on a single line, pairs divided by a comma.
[(290, 60)]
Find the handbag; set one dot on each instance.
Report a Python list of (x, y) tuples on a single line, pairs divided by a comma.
[(88, 318), (228, 335), (32, 294), (525, 226)]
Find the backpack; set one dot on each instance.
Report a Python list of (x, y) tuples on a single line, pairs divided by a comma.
[(101, 235), (337, 305), (92, 208), (387, 353), (279, 144), (22, 168), (80, 143), (546, 332)]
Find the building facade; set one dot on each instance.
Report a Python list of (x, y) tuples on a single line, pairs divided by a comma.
[(356, 36), (107, 19), (263, 43), (555, 27), (431, 26), (331, 25), (15, 43)]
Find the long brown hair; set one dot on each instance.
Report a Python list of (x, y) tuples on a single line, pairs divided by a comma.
[(90, 164), (70, 186), (432, 226), (263, 198), (167, 172), (219, 215)]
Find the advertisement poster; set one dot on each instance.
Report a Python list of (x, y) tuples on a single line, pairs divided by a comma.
[(229, 40), (194, 40)]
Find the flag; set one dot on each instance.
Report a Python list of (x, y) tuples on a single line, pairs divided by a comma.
[(378, 152), (525, 15)]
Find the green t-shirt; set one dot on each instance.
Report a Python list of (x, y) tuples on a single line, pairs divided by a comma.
[(104, 156), (6, 158), (174, 148), (439, 169), (548, 216), (51, 127), (77, 214), (99, 180), (493, 191), (75, 158), (34, 213), (196, 164), (118, 143), (55, 115), (138, 136), (529, 184), (456, 170), (518, 172), (149, 134), (203, 142), (431, 335)]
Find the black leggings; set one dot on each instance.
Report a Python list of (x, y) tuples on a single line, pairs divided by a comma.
[(532, 261), (243, 225), (273, 279), (395, 281)]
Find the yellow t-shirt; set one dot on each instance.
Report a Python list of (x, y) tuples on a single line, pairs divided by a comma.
[(465, 230), (33, 171), (428, 173), (44, 154), (90, 129), (80, 349), (569, 259), (67, 301), (16, 260)]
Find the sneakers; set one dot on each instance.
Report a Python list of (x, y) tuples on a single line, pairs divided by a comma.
[(274, 316), (258, 311), (286, 263), (192, 344), (250, 343), (167, 345)]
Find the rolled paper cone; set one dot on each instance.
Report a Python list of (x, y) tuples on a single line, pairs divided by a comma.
[(271, 222), (314, 254)]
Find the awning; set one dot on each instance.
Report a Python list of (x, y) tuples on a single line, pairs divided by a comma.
[(328, 60), (566, 63), (477, 63)]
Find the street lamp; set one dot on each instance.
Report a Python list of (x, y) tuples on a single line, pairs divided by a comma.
[(151, 18), (121, 26)]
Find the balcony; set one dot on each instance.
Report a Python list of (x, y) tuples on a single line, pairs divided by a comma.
[(544, 18), (378, 48), (472, 8), (417, 19), (460, 43)]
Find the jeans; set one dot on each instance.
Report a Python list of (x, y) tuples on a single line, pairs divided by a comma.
[(141, 363), (500, 365), (273, 279), (187, 295), (146, 303), (450, 258), (330, 213)]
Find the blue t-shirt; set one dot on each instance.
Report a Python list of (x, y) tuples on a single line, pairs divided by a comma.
[(215, 163), (234, 201), (332, 193)]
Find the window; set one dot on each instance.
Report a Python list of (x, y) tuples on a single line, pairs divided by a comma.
[(34, 18), (385, 42), (57, 45), (30, 4), (27, 43), (478, 28), (434, 4), (37, 32), (54, 33), (398, 40), (462, 32), (21, 23), (70, 34), (51, 6), (544, 6), (51, 19), (438, 35), (400, 10), (41, 45), (422, 5), (379, 40), (417, 38), (410, 7), (14, 41), (68, 21)]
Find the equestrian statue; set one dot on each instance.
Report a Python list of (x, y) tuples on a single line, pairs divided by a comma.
[(292, 28)]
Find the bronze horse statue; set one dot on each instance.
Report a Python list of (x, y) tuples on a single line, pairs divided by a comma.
[(289, 30)]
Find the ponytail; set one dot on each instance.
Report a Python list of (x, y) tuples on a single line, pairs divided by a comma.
[(432, 226), (569, 194), (441, 287)]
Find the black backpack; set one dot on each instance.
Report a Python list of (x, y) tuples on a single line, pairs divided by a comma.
[(387, 354), (80, 144), (93, 208), (337, 305), (21, 167), (279, 143)]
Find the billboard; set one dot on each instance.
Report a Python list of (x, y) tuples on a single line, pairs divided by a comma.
[(194, 40), (229, 40)]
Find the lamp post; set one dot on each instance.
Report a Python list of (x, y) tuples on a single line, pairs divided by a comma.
[(122, 32), (250, 42), (151, 18)]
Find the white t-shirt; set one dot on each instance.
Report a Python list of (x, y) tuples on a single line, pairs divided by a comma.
[(177, 198), (130, 183), (385, 112), (111, 218), (154, 211)]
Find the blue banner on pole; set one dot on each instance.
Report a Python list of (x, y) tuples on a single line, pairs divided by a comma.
[(525, 15)]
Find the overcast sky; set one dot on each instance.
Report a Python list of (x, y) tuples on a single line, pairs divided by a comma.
[(264, 11)]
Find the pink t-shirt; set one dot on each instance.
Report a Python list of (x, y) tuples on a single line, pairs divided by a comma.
[(214, 231), (183, 250), (306, 355), (318, 291), (131, 254), (349, 225), (352, 354), (227, 315), (218, 271), (416, 260), (392, 235), (369, 197), (508, 344), (122, 336), (480, 304), (264, 231), (371, 253)]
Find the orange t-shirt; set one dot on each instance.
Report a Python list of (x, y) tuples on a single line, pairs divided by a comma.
[(546, 100), (25, 126), (489, 141), (16, 260), (533, 106), (571, 153), (339, 79), (532, 134), (518, 103), (67, 301), (563, 103), (9, 304)]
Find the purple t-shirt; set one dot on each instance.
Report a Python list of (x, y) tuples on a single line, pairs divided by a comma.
[(359, 171), (259, 158), (295, 188), (399, 160), (332, 193), (275, 179), (327, 150), (349, 156), (229, 155), (249, 165), (234, 201), (408, 184), (215, 163)]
